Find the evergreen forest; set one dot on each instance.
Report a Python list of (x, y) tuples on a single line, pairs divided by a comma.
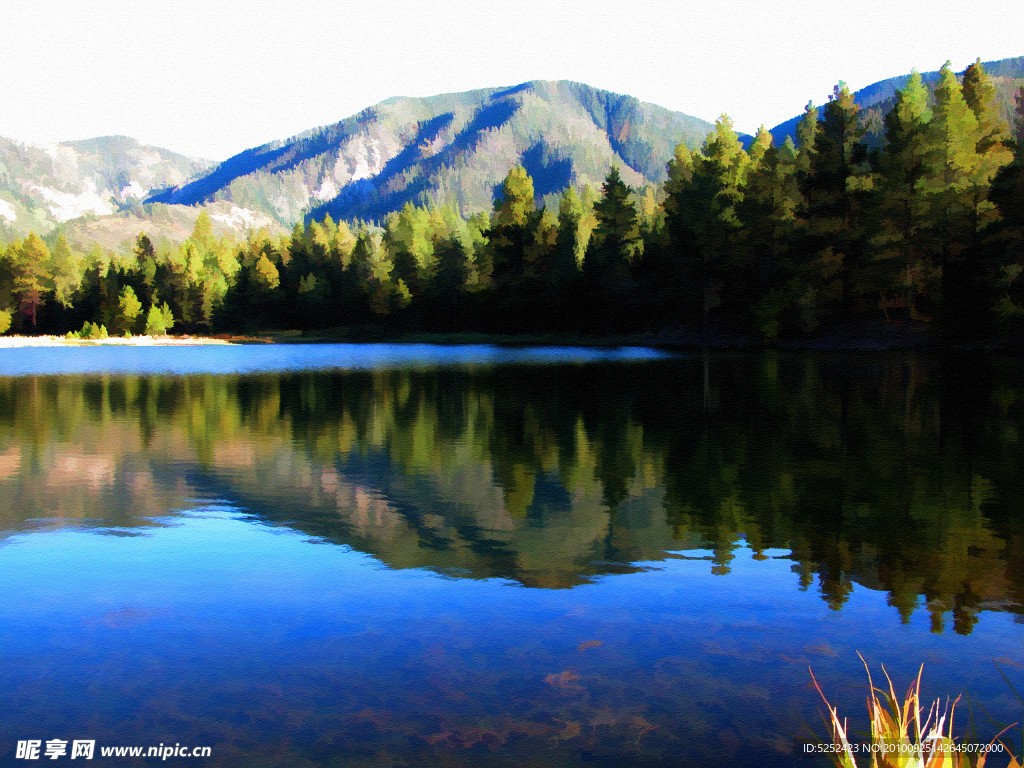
[(921, 228)]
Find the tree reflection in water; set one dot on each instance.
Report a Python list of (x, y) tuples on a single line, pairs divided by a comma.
[(896, 473)]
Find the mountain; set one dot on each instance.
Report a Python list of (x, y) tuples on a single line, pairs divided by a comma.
[(173, 223), (42, 185), (93, 190), (450, 149), (878, 98)]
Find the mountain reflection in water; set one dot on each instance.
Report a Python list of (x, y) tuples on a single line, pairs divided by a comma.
[(900, 474), (366, 556)]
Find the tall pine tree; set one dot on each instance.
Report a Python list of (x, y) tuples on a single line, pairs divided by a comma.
[(902, 272)]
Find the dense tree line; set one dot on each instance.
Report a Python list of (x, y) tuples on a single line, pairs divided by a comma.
[(925, 225)]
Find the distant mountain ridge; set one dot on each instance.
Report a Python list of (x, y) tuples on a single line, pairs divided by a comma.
[(447, 149), (450, 149), (48, 184), (93, 190)]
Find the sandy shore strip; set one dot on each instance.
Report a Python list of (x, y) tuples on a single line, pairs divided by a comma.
[(8, 342)]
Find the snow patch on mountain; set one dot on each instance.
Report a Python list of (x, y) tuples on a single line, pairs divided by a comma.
[(134, 189), (65, 206), (243, 218), (7, 211), (362, 159), (328, 190)]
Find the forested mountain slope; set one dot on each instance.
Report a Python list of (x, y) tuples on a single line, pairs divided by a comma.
[(450, 149), (743, 241), (878, 98)]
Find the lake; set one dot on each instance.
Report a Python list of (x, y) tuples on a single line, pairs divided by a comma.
[(373, 555)]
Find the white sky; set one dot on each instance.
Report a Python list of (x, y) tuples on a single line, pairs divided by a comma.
[(212, 78)]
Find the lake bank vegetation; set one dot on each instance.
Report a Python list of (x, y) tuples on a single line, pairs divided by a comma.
[(904, 736), (921, 231)]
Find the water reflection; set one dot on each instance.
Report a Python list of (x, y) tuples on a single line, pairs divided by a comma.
[(898, 474)]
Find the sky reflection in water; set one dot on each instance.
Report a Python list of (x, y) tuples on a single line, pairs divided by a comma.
[(441, 567)]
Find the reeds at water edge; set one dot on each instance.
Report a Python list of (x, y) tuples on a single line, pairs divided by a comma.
[(902, 736)]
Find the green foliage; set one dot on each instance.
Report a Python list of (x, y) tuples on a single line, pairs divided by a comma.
[(67, 268), (964, 157), (806, 136), (615, 243), (267, 275), (31, 275), (920, 220), (980, 95), (5, 321), (901, 261), (701, 207), (93, 331), (129, 311), (157, 320), (516, 201)]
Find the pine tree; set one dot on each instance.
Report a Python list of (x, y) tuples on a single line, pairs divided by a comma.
[(1005, 242), (513, 231), (129, 310), (664, 272), (155, 325), (980, 95), (965, 155), (807, 130), (901, 263), (145, 257), (702, 195), (267, 278), (568, 253), (167, 316), (446, 291), (31, 276), (614, 244), (767, 214), (67, 268), (833, 189)]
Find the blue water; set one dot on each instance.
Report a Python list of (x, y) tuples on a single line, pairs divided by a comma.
[(215, 629), (385, 564), (274, 358)]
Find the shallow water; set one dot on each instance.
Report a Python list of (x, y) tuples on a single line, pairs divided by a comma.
[(372, 555)]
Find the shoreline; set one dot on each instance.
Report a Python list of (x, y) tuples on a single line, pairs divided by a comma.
[(854, 337), (17, 342)]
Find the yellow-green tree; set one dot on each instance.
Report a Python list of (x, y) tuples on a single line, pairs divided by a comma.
[(159, 320), (965, 153), (31, 276), (902, 270), (702, 195), (129, 310), (67, 267)]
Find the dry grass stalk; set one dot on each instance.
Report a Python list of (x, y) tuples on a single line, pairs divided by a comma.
[(899, 736)]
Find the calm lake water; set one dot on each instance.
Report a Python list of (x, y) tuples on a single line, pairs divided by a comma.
[(408, 555)]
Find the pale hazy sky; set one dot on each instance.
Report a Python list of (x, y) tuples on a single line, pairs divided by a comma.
[(212, 78)]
